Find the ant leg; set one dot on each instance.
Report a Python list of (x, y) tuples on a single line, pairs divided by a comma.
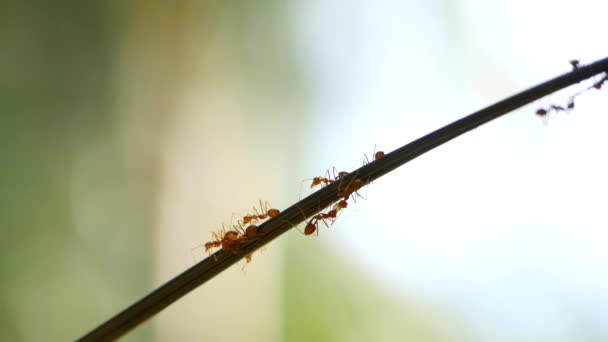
[(263, 207), (195, 248), (311, 180), (365, 159)]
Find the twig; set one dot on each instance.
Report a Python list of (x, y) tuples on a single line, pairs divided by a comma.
[(297, 213)]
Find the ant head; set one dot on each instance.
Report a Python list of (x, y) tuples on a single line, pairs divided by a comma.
[(209, 245), (273, 212), (315, 181), (571, 103), (378, 155)]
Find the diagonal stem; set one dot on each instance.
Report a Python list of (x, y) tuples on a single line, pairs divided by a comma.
[(200, 273)]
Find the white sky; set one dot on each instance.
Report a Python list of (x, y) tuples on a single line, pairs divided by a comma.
[(508, 222)]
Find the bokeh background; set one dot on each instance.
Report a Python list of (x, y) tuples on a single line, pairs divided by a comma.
[(130, 130)]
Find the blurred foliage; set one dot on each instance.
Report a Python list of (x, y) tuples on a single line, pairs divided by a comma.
[(77, 207), (328, 299), (56, 94)]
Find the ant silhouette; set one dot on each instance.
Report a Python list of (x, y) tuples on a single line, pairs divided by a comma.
[(263, 214)]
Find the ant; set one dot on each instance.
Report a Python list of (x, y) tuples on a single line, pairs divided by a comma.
[(351, 188), (244, 235), (263, 214), (234, 244), (219, 236), (232, 239), (318, 180), (313, 225), (322, 180), (223, 238), (542, 112), (337, 175), (330, 215)]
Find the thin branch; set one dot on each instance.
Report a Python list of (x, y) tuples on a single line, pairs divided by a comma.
[(309, 206)]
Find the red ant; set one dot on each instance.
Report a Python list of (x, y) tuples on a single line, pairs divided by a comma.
[(321, 180), (232, 239), (262, 215), (318, 180), (327, 180), (351, 188), (313, 225), (248, 234), (330, 215), (222, 239)]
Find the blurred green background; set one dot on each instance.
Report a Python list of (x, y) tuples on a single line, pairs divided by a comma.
[(76, 216), (130, 130), (89, 95)]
